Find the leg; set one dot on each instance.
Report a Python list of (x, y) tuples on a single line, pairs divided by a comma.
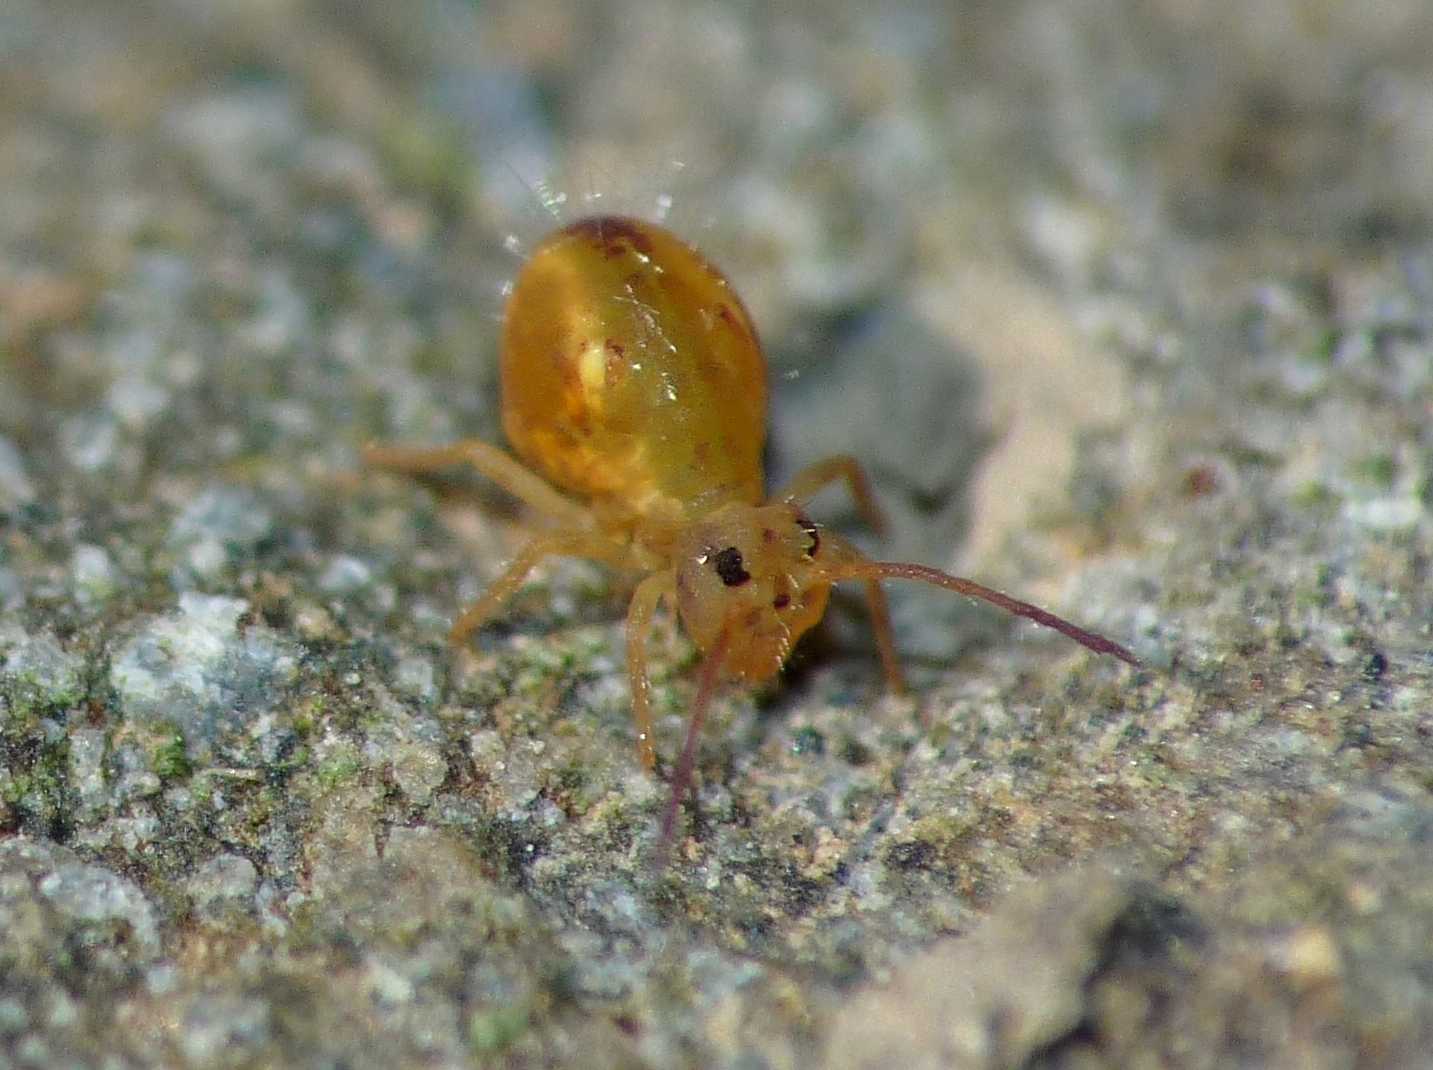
[(644, 603), (841, 560), (842, 466), (885, 637), (558, 544), (495, 464)]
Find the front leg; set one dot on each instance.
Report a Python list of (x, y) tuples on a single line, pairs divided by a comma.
[(880, 612), (640, 612), (588, 544)]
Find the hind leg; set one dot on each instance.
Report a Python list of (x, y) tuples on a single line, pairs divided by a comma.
[(489, 461), (840, 466)]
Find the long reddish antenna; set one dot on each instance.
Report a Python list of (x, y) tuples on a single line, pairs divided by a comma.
[(682, 774), (960, 585)]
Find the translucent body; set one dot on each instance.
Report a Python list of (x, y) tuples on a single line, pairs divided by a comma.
[(634, 389), (631, 373)]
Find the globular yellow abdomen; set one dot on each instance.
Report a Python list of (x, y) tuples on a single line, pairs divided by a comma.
[(631, 373)]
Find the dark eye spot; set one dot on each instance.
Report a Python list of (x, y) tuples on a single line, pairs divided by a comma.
[(781, 601), (809, 526), (729, 567)]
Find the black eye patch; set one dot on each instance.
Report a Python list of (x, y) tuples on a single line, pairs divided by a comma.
[(729, 567), (809, 526)]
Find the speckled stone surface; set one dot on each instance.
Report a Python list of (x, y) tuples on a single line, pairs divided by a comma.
[(1128, 306)]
